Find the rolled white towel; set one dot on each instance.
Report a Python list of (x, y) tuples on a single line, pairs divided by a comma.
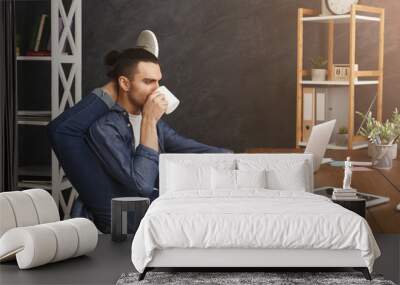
[(32, 246), (40, 244), (26, 208), (45, 206), (22, 207), (67, 240), (87, 235), (7, 218)]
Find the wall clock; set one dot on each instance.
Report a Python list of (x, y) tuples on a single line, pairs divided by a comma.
[(337, 7)]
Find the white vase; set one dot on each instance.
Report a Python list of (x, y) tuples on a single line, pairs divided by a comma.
[(318, 74), (382, 156), (393, 150)]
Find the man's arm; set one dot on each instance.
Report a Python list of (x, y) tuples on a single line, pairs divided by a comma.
[(176, 143), (136, 170)]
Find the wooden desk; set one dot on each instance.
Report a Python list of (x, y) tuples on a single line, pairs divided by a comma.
[(382, 218)]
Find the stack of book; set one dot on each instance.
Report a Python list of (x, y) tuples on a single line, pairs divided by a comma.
[(344, 194)]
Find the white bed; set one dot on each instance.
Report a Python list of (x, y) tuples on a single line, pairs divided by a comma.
[(201, 221)]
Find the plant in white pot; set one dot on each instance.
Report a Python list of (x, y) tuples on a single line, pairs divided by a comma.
[(318, 69), (382, 138), (341, 136)]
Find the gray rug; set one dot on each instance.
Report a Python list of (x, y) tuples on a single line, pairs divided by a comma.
[(242, 278)]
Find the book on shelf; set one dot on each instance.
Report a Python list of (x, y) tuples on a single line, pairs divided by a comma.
[(46, 36), (34, 113), (334, 197), (41, 35), (38, 53), (40, 182), (345, 194), (40, 31), (33, 116), (341, 190)]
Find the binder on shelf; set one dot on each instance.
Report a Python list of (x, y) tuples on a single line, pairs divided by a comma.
[(308, 112), (320, 98)]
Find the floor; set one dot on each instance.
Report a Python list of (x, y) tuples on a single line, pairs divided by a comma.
[(102, 266), (110, 260)]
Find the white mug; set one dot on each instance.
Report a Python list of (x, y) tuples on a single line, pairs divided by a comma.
[(173, 102)]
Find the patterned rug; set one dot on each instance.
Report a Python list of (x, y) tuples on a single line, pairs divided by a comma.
[(243, 278)]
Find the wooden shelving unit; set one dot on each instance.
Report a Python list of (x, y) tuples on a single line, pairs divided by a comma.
[(374, 14)]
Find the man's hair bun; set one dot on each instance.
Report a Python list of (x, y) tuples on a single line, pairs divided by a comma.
[(111, 58), (125, 62)]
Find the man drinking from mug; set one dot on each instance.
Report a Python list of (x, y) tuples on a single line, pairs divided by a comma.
[(109, 143), (129, 138)]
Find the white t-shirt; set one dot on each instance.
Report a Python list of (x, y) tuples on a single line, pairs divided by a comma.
[(136, 122)]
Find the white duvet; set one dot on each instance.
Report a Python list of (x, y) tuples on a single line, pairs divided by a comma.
[(251, 218)]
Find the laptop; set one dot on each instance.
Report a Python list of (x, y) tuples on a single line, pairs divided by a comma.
[(318, 141)]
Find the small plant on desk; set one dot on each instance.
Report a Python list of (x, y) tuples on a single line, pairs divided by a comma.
[(382, 137), (342, 136)]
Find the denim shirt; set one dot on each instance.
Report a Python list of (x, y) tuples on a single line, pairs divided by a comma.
[(111, 139)]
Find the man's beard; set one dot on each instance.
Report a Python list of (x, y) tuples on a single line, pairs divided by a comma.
[(135, 102)]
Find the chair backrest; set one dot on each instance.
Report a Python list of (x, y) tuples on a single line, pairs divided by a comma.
[(283, 164)]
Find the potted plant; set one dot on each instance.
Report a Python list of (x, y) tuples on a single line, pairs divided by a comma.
[(318, 71), (341, 136), (382, 138)]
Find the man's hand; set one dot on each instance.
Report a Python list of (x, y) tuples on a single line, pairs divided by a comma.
[(153, 109), (155, 106)]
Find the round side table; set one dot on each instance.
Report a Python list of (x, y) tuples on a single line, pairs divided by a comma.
[(119, 215)]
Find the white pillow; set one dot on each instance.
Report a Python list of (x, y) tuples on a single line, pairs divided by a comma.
[(294, 178), (183, 178), (235, 179), (223, 179), (202, 160), (284, 174), (251, 178)]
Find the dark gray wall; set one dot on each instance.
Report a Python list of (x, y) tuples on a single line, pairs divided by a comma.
[(232, 63)]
